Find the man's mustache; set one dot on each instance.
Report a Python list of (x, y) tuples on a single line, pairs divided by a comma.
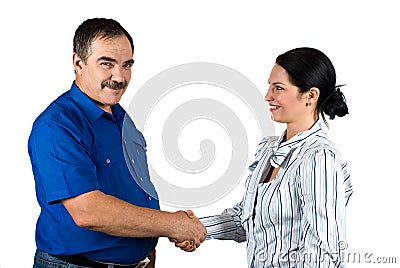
[(114, 85)]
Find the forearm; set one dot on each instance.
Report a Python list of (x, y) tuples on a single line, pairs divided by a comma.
[(104, 213)]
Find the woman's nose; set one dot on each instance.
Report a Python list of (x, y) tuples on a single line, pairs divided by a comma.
[(268, 97)]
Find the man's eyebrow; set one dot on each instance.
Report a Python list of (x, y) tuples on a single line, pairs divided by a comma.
[(131, 61), (106, 59)]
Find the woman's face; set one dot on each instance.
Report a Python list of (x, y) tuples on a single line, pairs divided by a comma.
[(287, 105)]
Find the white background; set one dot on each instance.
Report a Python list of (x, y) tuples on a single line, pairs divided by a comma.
[(360, 37)]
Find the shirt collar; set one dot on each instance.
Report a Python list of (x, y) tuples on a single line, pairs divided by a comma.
[(118, 112), (281, 149), (90, 109)]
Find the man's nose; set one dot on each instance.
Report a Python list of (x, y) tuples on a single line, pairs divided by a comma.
[(117, 74)]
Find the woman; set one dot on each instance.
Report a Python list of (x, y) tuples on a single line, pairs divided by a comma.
[(293, 210)]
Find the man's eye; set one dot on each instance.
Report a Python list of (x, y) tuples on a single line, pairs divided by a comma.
[(128, 65), (279, 88), (105, 63)]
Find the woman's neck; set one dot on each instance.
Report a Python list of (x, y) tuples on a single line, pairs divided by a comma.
[(293, 129)]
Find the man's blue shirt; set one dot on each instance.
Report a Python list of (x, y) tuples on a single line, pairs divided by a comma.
[(75, 147)]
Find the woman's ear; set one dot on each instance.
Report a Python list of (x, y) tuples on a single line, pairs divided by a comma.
[(313, 95)]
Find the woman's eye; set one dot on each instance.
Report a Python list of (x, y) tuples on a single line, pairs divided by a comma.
[(279, 88)]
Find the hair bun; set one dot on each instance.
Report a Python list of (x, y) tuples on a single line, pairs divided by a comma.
[(335, 104)]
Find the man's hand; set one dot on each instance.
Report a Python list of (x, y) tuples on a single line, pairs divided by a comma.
[(192, 234)]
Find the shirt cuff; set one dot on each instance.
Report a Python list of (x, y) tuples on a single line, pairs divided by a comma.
[(223, 227)]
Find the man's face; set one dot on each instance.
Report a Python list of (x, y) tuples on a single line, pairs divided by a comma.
[(107, 73)]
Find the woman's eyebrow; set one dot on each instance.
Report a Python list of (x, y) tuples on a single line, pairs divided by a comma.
[(276, 83)]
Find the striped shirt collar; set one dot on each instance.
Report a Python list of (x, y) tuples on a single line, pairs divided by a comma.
[(281, 149)]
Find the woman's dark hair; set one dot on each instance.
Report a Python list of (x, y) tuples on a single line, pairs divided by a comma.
[(309, 67), (93, 29)]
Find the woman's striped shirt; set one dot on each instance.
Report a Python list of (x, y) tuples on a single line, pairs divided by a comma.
[(298, 218)]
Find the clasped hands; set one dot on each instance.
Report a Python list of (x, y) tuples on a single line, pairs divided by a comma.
[(191, 234)]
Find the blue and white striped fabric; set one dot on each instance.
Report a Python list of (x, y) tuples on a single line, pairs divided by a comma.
[(298, 218)]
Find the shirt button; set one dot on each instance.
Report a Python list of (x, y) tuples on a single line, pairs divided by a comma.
[(141, 179), (108, 161), (149, 198), (133, 161)]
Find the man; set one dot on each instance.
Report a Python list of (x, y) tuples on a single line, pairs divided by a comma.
[(98, 206)]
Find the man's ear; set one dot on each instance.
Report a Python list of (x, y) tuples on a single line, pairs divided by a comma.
[(77, 63)]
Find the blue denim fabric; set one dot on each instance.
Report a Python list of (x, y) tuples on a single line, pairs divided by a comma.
[(44, 260)]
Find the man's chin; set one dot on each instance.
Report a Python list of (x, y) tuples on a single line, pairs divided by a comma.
[(111, 100)]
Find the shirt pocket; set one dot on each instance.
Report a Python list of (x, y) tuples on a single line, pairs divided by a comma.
[(110, 172), (106, 156)]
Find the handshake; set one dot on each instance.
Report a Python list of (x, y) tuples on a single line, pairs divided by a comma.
[(190, 233)]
